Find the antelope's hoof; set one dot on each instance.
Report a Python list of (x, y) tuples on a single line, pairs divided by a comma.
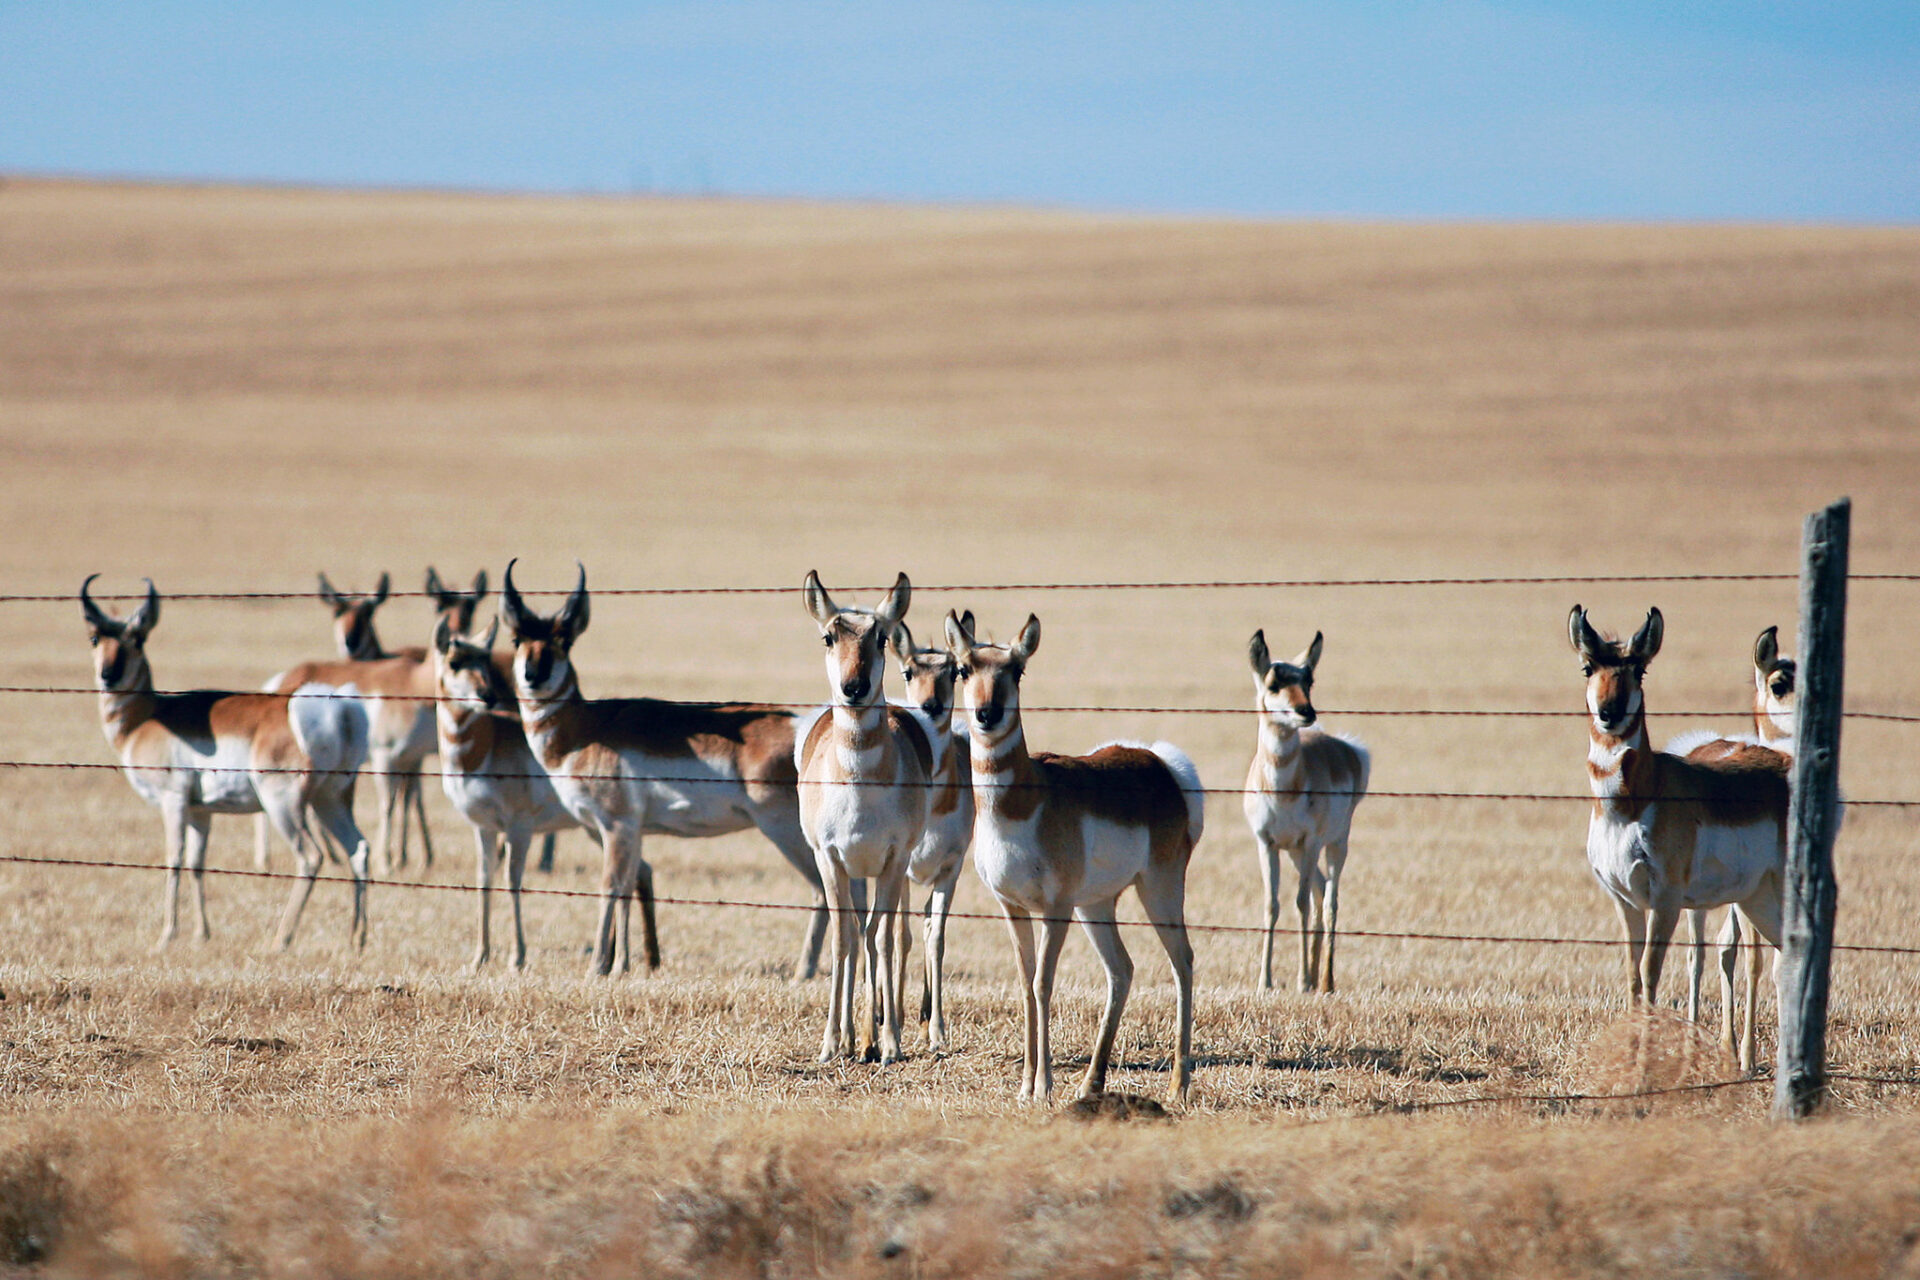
[(478, 962), (519, 961)]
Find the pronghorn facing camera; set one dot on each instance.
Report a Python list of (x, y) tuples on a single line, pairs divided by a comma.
[(864, 769), (1670, 833), (1064, 836), (937, 859), (197, 754), (1301, 793), (624, 767), (489, 772)]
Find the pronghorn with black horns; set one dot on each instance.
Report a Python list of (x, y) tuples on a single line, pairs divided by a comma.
[(197, 754), (489, 772), (936, 861), (1670, 833), (1302, 790), (627, 767), (1064, 836), (864, 770)]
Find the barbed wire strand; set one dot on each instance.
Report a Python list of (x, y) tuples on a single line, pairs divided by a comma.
[(242, 873), (744, 704), (984, 587), (932, 785)]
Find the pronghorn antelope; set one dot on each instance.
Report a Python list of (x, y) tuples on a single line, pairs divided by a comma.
[(624, 767), (398, 689), (1055, 836), (937, 859), (489, 773), (864, 769), (205, 752), (1301, 793), (1774, 723), (1671, 833)]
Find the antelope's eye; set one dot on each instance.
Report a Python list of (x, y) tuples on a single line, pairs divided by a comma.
[(965, 673), (826, 638), (1586, 668)]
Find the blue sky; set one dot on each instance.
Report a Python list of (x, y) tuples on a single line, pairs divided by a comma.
[(1632, 109)]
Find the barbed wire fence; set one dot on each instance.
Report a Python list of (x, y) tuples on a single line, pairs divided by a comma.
[(1399, 1108)]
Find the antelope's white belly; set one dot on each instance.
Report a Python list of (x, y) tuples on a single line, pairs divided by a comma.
[(1621, 855), (1012, 865), (669, 796)]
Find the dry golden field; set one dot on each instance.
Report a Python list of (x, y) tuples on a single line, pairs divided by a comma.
[(227, 390)]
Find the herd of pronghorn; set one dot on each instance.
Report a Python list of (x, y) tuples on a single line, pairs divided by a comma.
[(863, 795)]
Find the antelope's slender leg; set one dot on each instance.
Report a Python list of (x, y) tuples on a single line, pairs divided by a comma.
[(1336, 858), (1163, 893), (1306, 871), (1020, 926), (1270, 882), (517, 842), (1634, 922), (939, 906), (199, 826), (173, 819), (1097, 921), (1053, 936), (486, 843)]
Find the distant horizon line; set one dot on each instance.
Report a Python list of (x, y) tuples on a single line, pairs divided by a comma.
[(67, 177)]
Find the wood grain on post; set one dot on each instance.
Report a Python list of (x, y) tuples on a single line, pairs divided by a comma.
[(1813, 816)]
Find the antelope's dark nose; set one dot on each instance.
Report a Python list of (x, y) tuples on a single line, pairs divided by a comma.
[(1307, 715), (933, 709), (987, 716), (856, 689)]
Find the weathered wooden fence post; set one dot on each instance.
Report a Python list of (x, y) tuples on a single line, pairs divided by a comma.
[(1813, 818)]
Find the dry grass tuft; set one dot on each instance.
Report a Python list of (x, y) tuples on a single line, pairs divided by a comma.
[(1115, 1106)]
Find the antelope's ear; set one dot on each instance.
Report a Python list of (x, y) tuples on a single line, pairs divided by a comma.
[(512, 607), (902, 641), (1646, 641), (145, 617), (1257, 656), (434, 589), (479, 586), (1310, 656), (960, 638), (571, 621), (819, 604), (1585, 640), (493, 633), (966, 621), (442, 635), (1027, 641), (332, 597), (380, 591), (894, 607), (1766, 648)]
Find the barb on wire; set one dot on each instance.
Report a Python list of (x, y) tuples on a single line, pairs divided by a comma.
[(1262, 584), (242, 873)]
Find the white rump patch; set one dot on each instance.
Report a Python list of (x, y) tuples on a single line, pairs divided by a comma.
[(331, 726)]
